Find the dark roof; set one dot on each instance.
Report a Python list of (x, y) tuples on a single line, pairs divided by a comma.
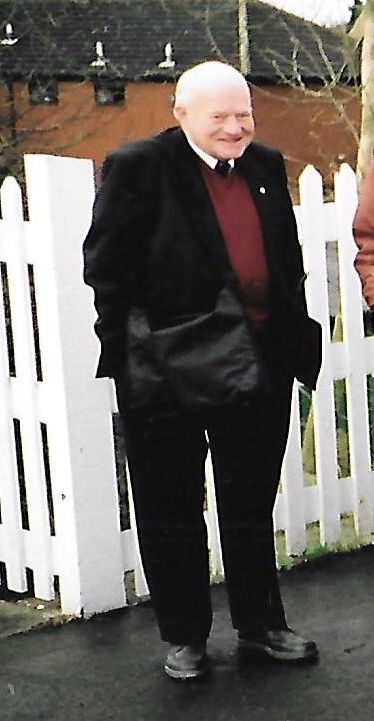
[(287, 48), (58, 37)]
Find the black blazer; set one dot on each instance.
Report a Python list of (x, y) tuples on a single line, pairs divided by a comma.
[(155, 243)]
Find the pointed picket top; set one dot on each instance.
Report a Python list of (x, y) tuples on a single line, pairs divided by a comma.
[(311, 188), (311, 206), (345, 181), (345, 168), (310, 171), (345, 184), (310, 178), (346, 171), (11, 200), (346, 204)]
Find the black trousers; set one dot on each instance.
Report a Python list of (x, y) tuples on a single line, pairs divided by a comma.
[(166, 457)]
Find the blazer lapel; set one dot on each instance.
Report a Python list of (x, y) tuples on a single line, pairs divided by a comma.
[(188, 183)]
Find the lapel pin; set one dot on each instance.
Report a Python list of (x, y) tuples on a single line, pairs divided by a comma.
[(262, 190)]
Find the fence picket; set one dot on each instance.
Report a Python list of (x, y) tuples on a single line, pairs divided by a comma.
[(314, 251), (11, 539), (60, 194), (211, 517), (26, 428), (354, 343), (293, 486)]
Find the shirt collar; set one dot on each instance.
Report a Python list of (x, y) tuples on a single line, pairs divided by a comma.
[(208, 159)]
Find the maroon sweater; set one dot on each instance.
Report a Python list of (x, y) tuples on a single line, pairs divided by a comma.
[(240, 226)]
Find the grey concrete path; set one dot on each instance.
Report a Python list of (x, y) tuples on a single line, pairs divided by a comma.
[(109, 668)]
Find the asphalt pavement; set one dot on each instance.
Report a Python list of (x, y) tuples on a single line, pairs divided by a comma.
[(110, 668)]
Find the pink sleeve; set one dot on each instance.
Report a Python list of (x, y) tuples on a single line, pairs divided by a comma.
[(363, 233)]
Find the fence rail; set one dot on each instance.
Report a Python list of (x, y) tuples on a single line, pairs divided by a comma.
[(63, 490)]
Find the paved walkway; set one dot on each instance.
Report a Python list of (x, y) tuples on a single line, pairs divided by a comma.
[(109, 668)]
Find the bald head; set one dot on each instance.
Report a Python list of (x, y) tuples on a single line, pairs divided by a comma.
[(213, 108), (211, 75)]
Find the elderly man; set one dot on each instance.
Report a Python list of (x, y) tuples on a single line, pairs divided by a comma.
[(198, 278)]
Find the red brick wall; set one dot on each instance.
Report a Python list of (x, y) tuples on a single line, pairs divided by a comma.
[(78, 127), (315, 127), (308, 127)]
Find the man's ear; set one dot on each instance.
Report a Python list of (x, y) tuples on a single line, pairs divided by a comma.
[(179, 113)]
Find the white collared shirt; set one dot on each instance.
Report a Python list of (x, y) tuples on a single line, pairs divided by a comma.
[(208, 159)]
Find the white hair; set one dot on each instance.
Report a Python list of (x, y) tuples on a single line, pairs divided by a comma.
[(207, 75)]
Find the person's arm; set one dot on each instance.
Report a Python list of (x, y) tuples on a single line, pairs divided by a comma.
[(363, 233), (112, 249), (294, 256)]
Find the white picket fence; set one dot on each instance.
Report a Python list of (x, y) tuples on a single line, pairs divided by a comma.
[(59, 503)]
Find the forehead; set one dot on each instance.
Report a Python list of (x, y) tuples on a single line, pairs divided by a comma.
[(222, 98)]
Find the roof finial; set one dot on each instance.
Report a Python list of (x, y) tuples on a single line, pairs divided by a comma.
[(168, 62), (101, 60), (9, 36)]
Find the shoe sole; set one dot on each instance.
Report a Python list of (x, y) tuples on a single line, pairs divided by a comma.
[(185, 675), (258, 649)]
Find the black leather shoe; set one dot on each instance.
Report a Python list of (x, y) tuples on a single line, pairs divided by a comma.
[(187, 662), (282, 645)]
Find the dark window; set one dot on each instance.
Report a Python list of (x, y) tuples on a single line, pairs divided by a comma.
[(43, 91), (109, 92)]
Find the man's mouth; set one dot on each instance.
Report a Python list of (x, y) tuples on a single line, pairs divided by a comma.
[(233, 140)]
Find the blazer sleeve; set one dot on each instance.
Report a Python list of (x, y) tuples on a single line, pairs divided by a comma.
[(112, 250), (294, 257), (363, 233), (305, 341)]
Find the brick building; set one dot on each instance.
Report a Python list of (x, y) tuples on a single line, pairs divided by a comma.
[(79, 77)]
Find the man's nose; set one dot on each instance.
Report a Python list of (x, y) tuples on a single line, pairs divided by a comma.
[(233, 125)]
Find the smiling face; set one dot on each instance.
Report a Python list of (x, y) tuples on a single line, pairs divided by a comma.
[(216, 112)]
